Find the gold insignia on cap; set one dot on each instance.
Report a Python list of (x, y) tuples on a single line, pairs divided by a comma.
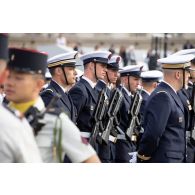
[(176, 66)]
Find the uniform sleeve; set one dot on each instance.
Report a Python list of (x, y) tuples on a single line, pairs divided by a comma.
[(17, 143), (155, 119), (78, 98), (72, 143), (7, 154), (142, 109)]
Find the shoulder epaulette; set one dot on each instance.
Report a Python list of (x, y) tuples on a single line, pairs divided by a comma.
[(162, 92), (47, 90), (50, 90)]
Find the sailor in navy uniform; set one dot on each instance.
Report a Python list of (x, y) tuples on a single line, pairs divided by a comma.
[(56, 135), (130, 79), (17, 143), (190, 92), (107, 152), (83, 94), (149, 81), (186, 96), (62, 68), (164, 137)]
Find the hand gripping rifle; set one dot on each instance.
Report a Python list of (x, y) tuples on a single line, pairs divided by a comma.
[(111, 115), (98, 117), (34, 116), (134, 123), (192, 117)]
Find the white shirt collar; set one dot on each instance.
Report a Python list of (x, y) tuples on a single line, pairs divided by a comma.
[(91, 83), (146, 91), (64, 90), (170, 86), (103, 81)]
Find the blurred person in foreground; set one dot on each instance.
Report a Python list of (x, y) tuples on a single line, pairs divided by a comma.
[(55, 134), (17, 143)]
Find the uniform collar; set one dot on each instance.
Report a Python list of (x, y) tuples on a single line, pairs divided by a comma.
[(127, 91), (146, 91), (91, 83), (22, 107), (170, 86), (63, 89)]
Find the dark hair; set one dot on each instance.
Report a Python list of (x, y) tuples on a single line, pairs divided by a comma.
[(193, 61), (52, 70)]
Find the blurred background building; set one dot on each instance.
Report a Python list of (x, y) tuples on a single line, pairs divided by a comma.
[(134, 48)]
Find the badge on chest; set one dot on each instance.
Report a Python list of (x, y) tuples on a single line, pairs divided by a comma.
[(180, 119), (189, 105), (91, 107)]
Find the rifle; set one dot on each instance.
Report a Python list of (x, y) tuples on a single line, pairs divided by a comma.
[(98, 117), (134, 123), (34, 116), (192, 117), (111, 115)]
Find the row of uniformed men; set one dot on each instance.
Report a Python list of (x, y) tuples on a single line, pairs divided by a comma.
[(80, 100), (165, 114), (100, 71), (55, 134)]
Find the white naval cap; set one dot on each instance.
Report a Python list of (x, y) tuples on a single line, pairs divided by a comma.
[(65, 59), (96, 56), (176, 61), (131, 70), (185, 52), (114, 62), (152, 76)]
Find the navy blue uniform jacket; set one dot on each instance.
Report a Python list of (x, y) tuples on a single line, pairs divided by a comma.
[(145, 97), (65, 102), (84, 98), (164, 127)]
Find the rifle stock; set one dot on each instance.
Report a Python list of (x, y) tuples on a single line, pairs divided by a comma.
[(133, 116), (98, 117), (111, 114)]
